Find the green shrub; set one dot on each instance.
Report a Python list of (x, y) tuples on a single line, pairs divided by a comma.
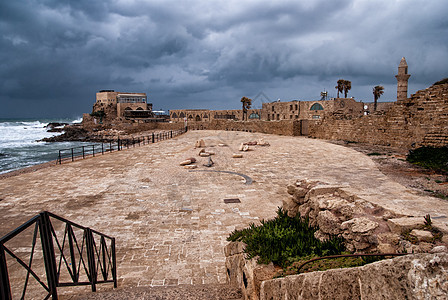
[(284, 240), (429, 157)]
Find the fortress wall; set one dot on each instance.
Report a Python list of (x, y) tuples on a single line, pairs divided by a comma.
[(421, 120), (282, 127)]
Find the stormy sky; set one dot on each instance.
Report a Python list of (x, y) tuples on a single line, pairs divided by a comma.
[(56, 54)]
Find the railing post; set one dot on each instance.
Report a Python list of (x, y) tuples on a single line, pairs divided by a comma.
[(5, 289), (83, 155), (48, 251), (153, 137), (72, 252), (118, 144), (90, 244), (102, 148), (73, 158), (171, 133), (114, 263), (93, 150)]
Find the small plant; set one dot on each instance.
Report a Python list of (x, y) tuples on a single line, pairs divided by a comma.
[(284, 240), (428, 221)]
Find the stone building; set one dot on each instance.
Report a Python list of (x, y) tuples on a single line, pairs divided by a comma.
[(205, 115), (123, 105)]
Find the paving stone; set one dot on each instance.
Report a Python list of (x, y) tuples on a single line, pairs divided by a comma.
[(178, 229)]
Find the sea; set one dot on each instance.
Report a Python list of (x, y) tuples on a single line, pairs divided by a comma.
[(19, 145)]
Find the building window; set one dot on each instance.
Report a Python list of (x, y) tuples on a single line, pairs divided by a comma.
[(278, 116), (290, 116), (254, 116), (272, 107), (290, 107), (296, 106), (316, 117), (316, 106)]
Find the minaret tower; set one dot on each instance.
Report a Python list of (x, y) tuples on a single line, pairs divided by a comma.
[(402, 80)]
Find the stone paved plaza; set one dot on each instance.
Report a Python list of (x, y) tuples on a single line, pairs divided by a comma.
[(171, 223)]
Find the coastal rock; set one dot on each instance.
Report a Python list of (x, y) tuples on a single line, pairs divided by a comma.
[(71, 133)]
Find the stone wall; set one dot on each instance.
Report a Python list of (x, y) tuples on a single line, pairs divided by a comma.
[(416, 276), (284, 127), (365, 226), (421, 120)]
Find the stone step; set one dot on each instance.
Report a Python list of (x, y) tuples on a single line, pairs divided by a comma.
[(179, 292)]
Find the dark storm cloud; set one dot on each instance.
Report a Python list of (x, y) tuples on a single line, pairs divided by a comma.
[(56, 54)]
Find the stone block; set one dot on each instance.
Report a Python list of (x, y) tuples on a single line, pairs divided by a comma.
[(234, 248), (328, 223), (359, 225), (398, 225), (417, 276), (422, 235)]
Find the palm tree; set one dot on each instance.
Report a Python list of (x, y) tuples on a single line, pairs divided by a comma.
[(340, 86), (246, 105), (377, 92), (347, 87)]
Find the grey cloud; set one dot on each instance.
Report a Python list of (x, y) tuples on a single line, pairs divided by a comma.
[(211, 53)]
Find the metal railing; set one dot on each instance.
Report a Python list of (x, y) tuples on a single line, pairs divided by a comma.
[(74, 255), (116, 145)]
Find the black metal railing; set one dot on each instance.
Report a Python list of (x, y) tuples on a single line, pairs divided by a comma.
[(115, 145), (68, 255)]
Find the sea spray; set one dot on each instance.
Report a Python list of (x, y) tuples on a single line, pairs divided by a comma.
[(19, 146)]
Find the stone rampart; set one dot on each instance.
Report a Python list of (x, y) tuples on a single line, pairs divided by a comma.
[(283, 127), (421, 120)]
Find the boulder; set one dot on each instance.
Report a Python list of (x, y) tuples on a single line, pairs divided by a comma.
[(237, 156), (359, 225), (401, 224), (328, 223), (204, 154), (422, 235)]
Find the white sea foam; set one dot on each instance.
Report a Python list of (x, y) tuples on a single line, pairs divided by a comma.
[(19, 147)]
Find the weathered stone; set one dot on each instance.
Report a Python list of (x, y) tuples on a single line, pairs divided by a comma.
[(422, 235), (234, 248), (190, 166), (328, 223), (200, 144), (289, 205), (237, 156), (262, 142), (419, 276), (299, 195), (439, 249), (291, 189), (400, 224), (204, 154), (359, 225), (186, 162)]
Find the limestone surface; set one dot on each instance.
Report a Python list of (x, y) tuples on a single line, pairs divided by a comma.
[(171, 223)]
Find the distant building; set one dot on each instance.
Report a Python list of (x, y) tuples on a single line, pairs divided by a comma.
[(123, 105)]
